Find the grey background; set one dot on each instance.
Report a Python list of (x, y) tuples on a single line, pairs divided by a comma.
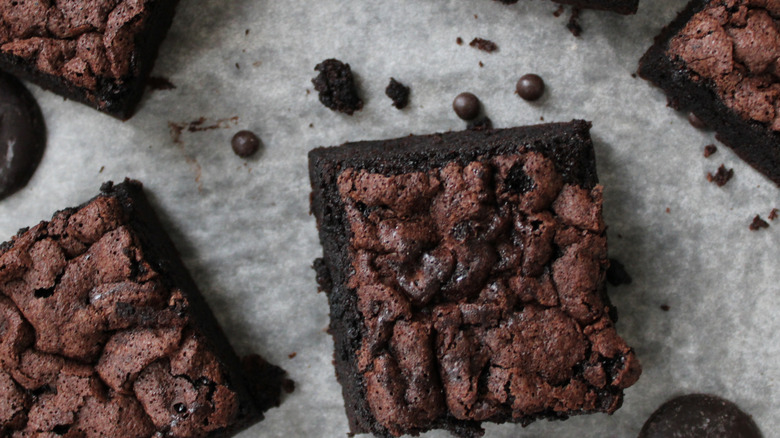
[(244, 228)]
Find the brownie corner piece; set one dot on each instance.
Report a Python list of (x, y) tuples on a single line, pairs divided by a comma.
[(465, 274), (104, 332), (735, 89), (97, 52)]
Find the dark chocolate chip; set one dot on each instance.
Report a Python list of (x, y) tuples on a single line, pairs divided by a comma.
[(245, 143), (22, 135), (466, 106), (699, 416), (696, 122), (530, 87), (709, 150), (398, 92)]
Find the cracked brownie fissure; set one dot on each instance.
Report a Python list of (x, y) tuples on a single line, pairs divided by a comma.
[(465, 273), (103, 333)]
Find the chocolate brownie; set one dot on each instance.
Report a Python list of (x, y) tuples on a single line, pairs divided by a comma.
[(620, 6), (719, 59), (465, 275), (103, 333), (98, 52)]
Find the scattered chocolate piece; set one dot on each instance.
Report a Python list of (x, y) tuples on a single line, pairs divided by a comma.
[(466, 106), (22, 135), (481, 124), (709, 150), (574, 22), (159, 83), (668, 210), (336, 86), (758, 223), (699, 416), (398, 92), (245, 143), (530, 87), (696, 122), (558, 12), (616, 274), (481, 64), (484, 45), (722, 176), (292, 355), (665, 307), (459, 41), (772, 214)]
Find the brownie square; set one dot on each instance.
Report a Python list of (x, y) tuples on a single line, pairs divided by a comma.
[(465, 276), (98, 52), (103, 333), (625, 7), (720, 59)]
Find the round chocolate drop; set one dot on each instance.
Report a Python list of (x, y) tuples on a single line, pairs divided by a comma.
[(245, 143), (530, 87), (699, 416), (466, 106), (22, 135)]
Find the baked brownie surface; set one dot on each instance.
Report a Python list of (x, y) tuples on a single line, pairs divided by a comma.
[(620, 6), (98, 52), (465, 274), (719, 59), (103, 333)]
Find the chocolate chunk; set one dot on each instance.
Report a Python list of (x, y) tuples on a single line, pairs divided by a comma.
[(709, 150), (484, 45), (699, 416), (773, 214), (398, 92), (758, 224), (530, 87), (245, 144), (336, 86), (696, 122), (721, 177), (22, 135), (467, 106)]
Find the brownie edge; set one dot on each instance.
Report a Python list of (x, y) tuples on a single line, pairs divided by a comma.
[(428, 285), (689, 91), (106, 334)]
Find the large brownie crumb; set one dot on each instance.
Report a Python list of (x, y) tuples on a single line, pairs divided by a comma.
[(398, 93), (758, 224), (477, 283), (721, 177), (336, 86), (103, 333), (709, 150), (484, 45)]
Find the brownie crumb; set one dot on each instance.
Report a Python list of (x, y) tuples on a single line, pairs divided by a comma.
[(574, 23), (722, 176), (159, 83), (633, 75), (709, 150), (773, 214), (336, 86), (480, 124), (665, 307), (558, 12), (481, 64), (758, 224), (459, 41), (292, 355), (484, 45), (616, 274), (398, 92), (668, 210)]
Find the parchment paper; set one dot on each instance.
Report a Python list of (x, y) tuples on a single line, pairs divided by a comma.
[(246, 235)]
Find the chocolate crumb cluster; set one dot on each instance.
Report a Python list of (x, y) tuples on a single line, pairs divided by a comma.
[(480, 286), (95, 342), (336, 87), (735, 45)]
